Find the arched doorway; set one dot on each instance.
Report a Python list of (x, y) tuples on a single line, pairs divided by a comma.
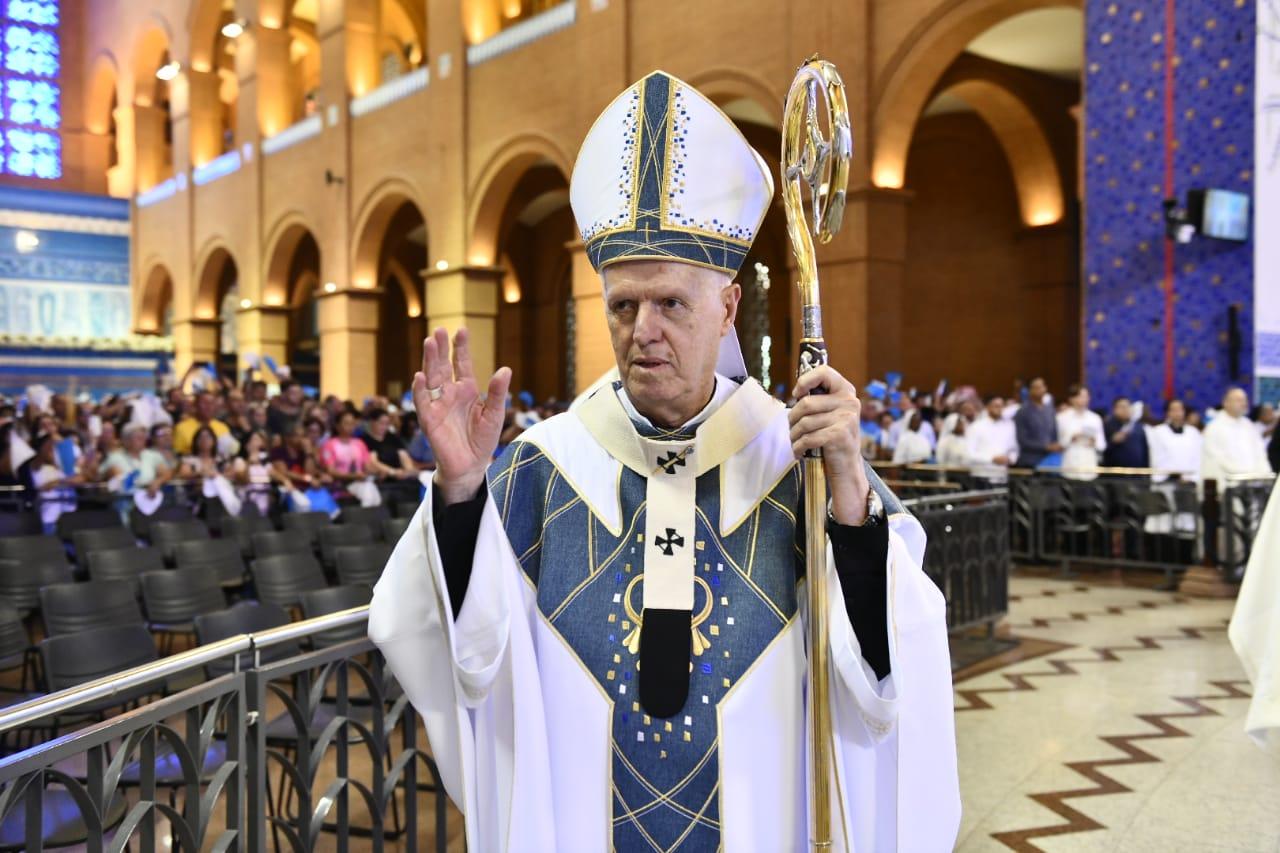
[(153, 70), (155, 304), (101, 104), (290, 285), (402, 42), (991, 269), (401, 318), (304, 58), (218, 297), (302, 277), (214, 87), (535, 322)]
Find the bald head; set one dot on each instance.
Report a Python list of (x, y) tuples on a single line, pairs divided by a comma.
[(1235, 402)]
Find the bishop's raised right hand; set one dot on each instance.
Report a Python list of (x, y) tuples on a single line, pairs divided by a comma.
[(462, 428)]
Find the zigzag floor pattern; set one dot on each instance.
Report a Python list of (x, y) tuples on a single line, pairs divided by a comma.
[(1123, 646), (1104, 784)]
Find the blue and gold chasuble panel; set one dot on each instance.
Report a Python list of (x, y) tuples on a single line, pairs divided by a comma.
[(590, 585)]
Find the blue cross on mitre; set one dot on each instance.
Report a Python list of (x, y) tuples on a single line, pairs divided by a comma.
[(665, 175)]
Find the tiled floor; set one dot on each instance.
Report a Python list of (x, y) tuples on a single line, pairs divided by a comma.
[(1130, 737)]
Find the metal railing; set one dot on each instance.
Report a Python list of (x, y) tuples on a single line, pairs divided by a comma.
[(967, 554), (1239, 514), (264, 748), (1119, 517)]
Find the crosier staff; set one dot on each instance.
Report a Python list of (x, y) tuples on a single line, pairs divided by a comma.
[(815, 103)]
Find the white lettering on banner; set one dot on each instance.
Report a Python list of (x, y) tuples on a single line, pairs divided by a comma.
[(63, 310)]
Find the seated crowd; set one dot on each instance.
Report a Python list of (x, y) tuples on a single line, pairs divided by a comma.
[(226, 447)]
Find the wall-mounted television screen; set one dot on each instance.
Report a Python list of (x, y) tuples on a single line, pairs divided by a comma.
[(1222, 214)]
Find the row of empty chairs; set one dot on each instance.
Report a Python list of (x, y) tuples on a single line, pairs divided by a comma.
[(97, 574)]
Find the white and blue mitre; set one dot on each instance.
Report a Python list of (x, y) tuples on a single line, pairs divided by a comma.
[(665, 175)]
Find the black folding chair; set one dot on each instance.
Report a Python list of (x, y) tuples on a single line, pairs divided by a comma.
[(242, 528), (319, 602), (370, 516), (337, 535), (173, 599), (41, 547), (281, 579), (220, 557), (165, 536), (69, 608), (306, 524), (20, 582), (125, 564), (99, 539), (279, 542), (361, 563)]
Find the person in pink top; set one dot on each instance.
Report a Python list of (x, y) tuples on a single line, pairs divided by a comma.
[(345, 457)]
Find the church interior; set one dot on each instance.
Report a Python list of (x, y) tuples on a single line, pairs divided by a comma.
[(219, 195)]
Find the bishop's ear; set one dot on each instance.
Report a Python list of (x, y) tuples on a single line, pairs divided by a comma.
[(730, 295)]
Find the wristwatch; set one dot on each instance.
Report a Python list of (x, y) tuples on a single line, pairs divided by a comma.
[(875, 509)]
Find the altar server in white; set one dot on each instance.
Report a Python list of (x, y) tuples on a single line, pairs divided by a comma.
[(1175, 445), (1232, 444), (603, 631)]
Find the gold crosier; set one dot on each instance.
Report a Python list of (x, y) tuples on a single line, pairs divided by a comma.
[(816, 149)]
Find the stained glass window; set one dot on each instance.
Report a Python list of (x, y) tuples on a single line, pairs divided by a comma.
[(30, 97)]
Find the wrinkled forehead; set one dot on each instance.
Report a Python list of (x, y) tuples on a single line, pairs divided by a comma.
[(664, 273)]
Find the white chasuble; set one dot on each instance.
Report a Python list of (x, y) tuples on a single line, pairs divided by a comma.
[(531, 695)]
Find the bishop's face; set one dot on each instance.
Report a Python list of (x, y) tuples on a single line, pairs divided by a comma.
[(666, 320)]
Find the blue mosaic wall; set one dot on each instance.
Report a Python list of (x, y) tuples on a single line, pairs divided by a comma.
[(30, 95), (1124, 181)]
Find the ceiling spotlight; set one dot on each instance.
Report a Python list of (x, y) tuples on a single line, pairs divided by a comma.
[(330, 287), (442, 265), (168, 71), (235, 29)]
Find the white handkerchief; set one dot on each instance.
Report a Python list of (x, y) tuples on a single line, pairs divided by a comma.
[(146, 503)]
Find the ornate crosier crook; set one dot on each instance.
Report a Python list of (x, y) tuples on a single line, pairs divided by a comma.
[(815, 103)]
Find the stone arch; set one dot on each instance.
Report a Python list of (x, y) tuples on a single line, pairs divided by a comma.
[(211, 272), (204, 24), (1025, 144), (910, 76), (382, 203), (494, 186), (408, 283), (156, 296), (282, 242), (150, 48), (101, 98)]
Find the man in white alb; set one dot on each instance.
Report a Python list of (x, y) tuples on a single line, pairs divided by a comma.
[(603, 629), (1232, 444)]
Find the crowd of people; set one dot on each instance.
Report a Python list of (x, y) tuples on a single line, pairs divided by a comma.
[(233, 444), (218, 446), (1030, 430)]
